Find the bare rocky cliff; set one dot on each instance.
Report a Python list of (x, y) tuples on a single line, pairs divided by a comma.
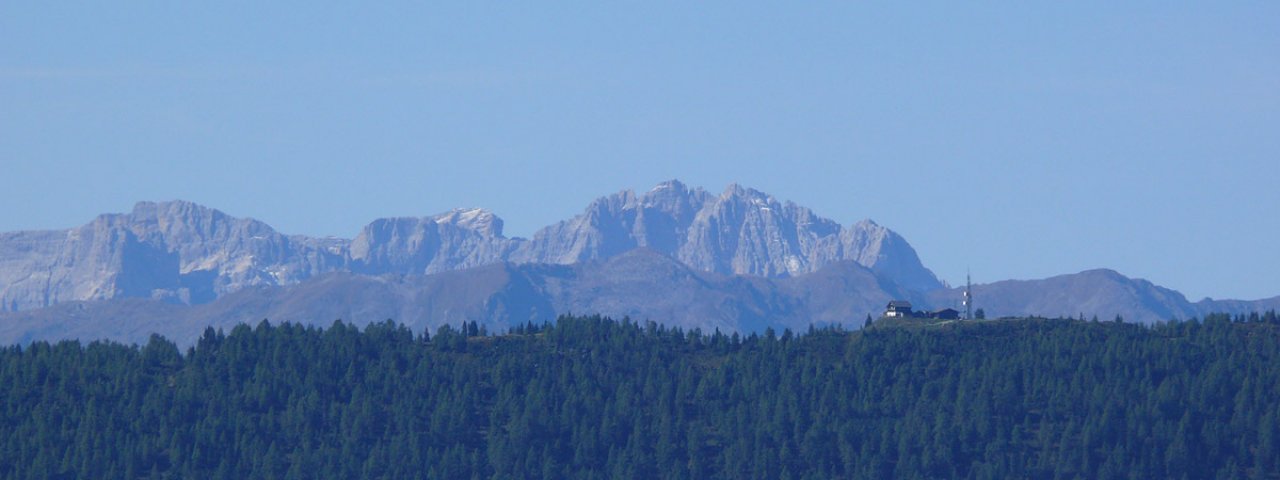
[(453, 240), (741, 231), (177, 251)]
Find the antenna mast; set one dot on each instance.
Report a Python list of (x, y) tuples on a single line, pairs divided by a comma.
[(968, 297)]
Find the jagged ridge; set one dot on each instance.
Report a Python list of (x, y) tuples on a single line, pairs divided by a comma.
[(181, 252)]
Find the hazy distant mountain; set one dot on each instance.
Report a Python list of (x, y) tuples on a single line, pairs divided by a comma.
[(738, 261), (641, 283), (185, 253), (177, 251), (1103, 293)]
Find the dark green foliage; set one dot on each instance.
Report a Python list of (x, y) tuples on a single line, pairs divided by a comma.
[(592, 398)]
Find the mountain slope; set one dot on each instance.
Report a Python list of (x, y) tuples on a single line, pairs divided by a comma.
[(642, 284), (1101, 292)]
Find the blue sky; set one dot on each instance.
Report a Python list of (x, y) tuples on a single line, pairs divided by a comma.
[(1020, 140)]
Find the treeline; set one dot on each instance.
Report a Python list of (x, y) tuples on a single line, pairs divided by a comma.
[(587, 397)]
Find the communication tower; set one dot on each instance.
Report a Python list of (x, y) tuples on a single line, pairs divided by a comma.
[(968, 297)]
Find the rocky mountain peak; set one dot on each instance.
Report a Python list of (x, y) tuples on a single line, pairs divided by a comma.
[(746, 194), (479, 220), (672, 185), (458, 238), (195, 230), (674, 199), (173, 208), (867, 224), (886, 252)]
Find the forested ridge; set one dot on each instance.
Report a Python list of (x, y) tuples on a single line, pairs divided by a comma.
[(589, 397)]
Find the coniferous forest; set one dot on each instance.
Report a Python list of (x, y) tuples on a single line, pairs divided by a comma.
[(588, 397)]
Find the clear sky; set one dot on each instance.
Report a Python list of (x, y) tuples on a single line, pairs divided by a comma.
[(1021, 140)]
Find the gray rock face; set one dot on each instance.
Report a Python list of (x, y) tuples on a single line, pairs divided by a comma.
[(177, 251), (457, 239), (181, 252), (218, 254), (741, 231), (659, 220)]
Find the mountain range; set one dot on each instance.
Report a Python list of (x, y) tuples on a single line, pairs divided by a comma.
[(737, 261)]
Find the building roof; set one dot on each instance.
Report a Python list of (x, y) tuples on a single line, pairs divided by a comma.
[(900, 304)]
